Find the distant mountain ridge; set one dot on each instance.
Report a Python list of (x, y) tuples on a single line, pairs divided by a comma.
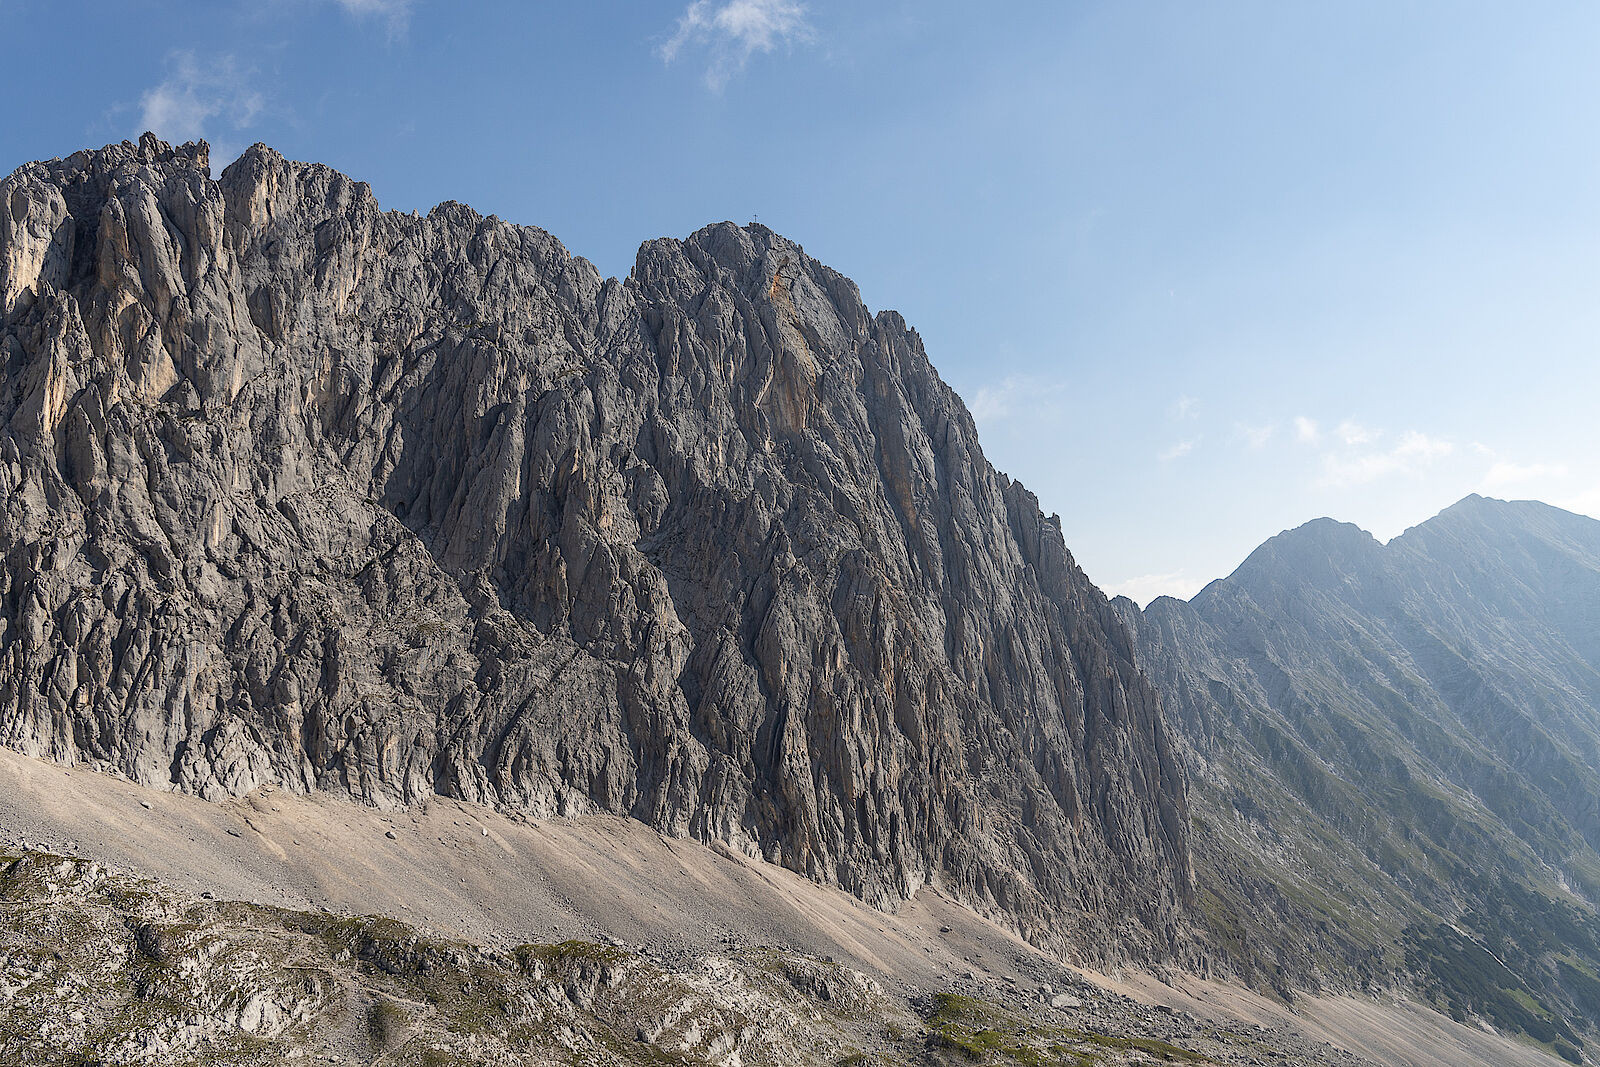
[(1394, 753)]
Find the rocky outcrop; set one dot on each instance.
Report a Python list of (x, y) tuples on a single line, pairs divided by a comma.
[(297, 490), (1399, 745), (100, 966)]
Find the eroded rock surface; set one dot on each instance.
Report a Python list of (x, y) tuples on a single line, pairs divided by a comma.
[(294, 490), (98, 966)]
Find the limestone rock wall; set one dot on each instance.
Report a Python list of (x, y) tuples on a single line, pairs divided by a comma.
[(296, 490)]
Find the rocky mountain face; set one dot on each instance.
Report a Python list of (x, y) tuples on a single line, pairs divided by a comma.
[(295, 490), (1395, 757)]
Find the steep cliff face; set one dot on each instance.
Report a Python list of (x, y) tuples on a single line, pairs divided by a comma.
[(296, 490), (1395, 752)]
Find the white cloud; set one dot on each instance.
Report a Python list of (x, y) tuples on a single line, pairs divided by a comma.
[(1185, 408), (1015, 397), (1503, 474), (385, 8), (1255, 436), (992, 403), (1146, 587), (1179, 450), (734, 30), (1586, 502), (1410, 455), (197, 96), (1305, 430), (396, 13), (1416, 446), (1353, 433), (1357, 470), (394, 16)]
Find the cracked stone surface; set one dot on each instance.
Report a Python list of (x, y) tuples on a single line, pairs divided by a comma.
[(297, 491)]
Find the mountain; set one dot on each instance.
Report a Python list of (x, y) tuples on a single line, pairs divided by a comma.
[(1395, 759), (297, 491)]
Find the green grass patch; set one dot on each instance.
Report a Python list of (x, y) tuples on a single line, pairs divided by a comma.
[(1150, 1046), (570, 952), (984, 1033)]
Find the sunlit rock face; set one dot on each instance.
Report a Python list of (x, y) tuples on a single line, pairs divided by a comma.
[(294, 490)]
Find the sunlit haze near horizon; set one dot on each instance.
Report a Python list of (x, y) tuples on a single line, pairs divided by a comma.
[(1201, 272)]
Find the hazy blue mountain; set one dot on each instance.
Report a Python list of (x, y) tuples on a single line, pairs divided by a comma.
[(1394, 754)]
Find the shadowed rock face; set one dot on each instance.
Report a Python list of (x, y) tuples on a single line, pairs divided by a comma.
[(296, 490)]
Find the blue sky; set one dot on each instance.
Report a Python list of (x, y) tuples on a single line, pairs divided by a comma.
[(1202, 271)]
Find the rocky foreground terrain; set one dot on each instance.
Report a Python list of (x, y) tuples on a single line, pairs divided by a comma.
[(100, 967), (274, 873), (297, 491)]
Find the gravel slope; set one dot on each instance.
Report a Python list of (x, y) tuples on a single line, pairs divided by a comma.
[(462, 871)]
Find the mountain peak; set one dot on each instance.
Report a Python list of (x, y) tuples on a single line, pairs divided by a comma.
[(148, 150), (1482, 520), (396, 506), (1411, 728), (1307, 553)]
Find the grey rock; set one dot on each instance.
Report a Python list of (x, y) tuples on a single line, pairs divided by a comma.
[(297, 491), (246, 983)]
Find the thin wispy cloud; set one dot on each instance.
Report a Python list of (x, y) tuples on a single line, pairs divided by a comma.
[(1503, 474), (1146, 587), (1411, 454), (380, 8), (731, 32), (1353, 433), (1305, 430), (992, 403), (1186, 408), (1255, 436), (1178, 451), (1015, 397), (394, 14), (199, 97), (1586, 502)]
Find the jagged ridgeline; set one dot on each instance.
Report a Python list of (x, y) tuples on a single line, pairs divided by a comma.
[(296, 490), (1395, 759)]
